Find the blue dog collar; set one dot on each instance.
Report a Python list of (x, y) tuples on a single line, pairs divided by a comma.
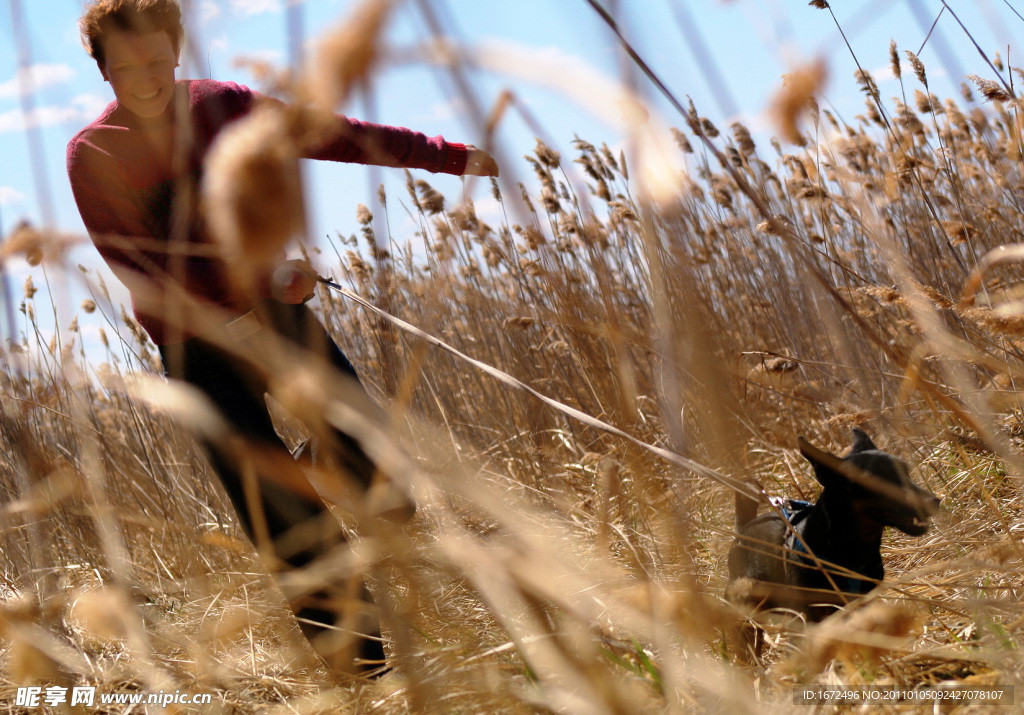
[(795, 511)]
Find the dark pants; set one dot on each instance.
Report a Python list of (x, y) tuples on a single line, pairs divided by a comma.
[(238, 390)]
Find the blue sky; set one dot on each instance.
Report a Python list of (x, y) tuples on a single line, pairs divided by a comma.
[(751, 44)]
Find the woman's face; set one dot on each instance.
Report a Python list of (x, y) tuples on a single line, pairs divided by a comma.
[(140, 69)]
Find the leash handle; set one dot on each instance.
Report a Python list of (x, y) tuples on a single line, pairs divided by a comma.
[(328, 282)]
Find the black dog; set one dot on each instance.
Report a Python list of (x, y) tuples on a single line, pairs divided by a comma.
[(813, 558)]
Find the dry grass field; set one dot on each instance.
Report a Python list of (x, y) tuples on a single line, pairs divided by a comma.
[(556, 565)]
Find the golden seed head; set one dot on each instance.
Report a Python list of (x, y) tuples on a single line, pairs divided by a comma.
[(430, 198), (990, 89), (743, 140), (363, 215), (958, 232), (778, 225), (519, 321), (813, 193), (922, 101), (26, 241), (549, 197), (708, 128), (866, 82), (894, 60), (251, 193), (89, 305), (347, 56), (547, 156), (358, 266), (794, 99), (682, 141), (622, 211), (918, 66), (609, 157)]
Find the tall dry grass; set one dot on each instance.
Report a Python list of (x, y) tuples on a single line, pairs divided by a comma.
[(554, 566)]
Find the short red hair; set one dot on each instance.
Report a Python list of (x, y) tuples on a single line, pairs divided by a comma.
[(140, 16)]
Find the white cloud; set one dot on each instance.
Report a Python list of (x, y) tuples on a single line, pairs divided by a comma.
[(82, 109), (208, 10), (15, 121), (442, 111), (603, 96), (220, 43), (570, 76), (9, 195), (91, 104), (760, 123), (268, 56), (248, 59), (489, 210), (256, 7), (38, 77), (885, 74)]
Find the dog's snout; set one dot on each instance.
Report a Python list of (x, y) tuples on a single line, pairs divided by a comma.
[(920, 500), (927, 503)]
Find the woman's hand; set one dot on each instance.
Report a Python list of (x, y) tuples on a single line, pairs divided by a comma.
[(293, 282), (480, 163)]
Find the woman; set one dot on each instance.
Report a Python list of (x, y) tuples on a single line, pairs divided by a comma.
[(134, 172)]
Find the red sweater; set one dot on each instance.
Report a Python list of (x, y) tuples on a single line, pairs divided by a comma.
[(126, 191)]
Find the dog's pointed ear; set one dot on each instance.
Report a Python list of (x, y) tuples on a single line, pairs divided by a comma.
[(811, 453), (861, 441), (826, 465)]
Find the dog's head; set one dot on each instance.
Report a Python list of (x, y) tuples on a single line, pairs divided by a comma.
[(875, 483)]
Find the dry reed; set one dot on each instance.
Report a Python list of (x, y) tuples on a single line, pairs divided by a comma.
[(554, 566)]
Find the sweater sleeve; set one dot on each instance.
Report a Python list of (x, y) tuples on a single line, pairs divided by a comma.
[(358, 142), (361, 142)]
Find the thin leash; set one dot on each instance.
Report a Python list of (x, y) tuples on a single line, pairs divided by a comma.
[(795, 542), (665, 454)]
